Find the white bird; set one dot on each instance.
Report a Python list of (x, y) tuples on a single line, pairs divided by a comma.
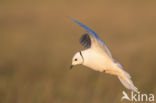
[(98, 57)]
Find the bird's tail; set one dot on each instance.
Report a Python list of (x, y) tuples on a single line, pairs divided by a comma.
[(125, 79)]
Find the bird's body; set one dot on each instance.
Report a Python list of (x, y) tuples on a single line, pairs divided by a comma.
[(98, 57), (94, 60)]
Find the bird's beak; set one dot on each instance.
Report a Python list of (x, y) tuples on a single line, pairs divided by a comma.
[(71, 67)]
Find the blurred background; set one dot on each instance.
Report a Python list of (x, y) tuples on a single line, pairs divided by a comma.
[(38, 41)]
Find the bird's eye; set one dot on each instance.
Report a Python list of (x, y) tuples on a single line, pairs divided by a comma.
[(75, 59)]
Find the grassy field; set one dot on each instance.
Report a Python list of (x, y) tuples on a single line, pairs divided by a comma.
[(38, 40)]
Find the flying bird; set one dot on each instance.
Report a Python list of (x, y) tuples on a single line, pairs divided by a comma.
[(98, 57)]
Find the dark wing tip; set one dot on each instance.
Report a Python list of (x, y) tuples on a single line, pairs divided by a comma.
[(85, 41)]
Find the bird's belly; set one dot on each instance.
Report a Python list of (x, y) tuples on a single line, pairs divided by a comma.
[(100, 64)]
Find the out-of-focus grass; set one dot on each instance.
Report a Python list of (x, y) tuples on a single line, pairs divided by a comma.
[(38, 40)]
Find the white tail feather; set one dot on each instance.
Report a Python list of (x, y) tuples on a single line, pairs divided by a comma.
[(125, 79)]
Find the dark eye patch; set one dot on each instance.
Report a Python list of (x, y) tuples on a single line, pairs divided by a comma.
[(75, 59)]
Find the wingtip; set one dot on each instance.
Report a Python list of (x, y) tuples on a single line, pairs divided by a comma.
[(76, 21), (89, 30), (70, 18)]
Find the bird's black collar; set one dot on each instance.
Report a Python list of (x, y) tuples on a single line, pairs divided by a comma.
[(81, 56)]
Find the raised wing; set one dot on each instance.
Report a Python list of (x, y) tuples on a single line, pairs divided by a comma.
[(91, 39), (85, 40)]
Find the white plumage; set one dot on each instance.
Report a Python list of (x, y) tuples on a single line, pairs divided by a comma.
[(98, 57)]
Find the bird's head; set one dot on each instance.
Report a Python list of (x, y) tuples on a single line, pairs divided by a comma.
[(77, 59)]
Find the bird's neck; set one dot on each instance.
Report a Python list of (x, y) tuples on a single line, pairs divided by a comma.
[(85, 54)]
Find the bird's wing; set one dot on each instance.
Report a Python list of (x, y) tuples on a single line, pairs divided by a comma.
[(118, 64), (92, 40)]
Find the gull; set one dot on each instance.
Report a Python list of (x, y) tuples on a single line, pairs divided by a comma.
[(98, 57)]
